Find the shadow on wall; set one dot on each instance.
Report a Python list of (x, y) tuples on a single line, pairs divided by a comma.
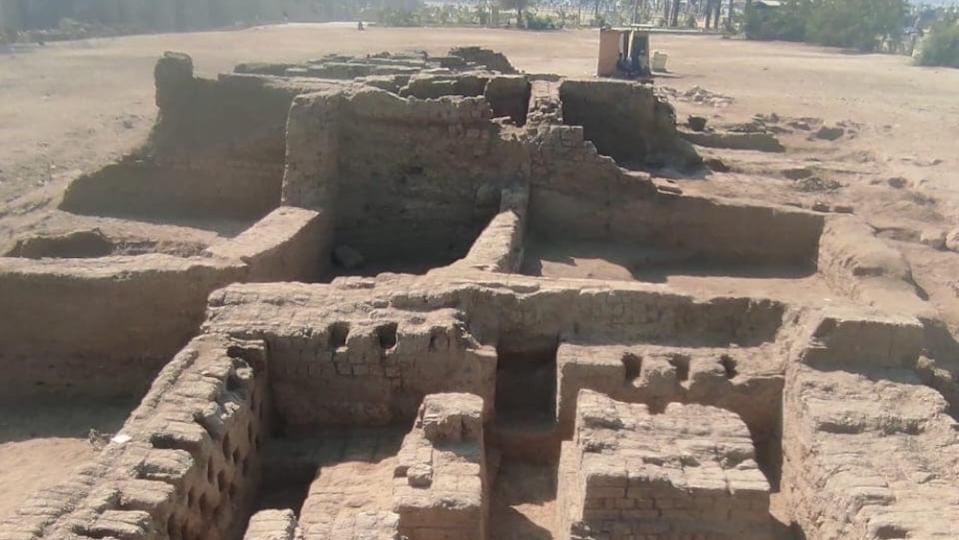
[(627, 122), (526, 379), (407, 180), (216, 151)]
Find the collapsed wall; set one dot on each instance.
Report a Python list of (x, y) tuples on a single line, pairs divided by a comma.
[(628, 206), (625, 121)]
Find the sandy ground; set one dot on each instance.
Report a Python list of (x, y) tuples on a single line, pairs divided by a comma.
[(41, 442), (626, 262)]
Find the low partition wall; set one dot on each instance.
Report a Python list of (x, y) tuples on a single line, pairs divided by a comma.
[(104, 326), (499, 248), (289, 244), (100, 327)]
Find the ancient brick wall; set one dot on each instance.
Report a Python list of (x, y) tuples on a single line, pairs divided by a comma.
[(216, 151), (527, 307), (441, 489), (347, 371), (289, 244), (626, 121), (688, 472), (567, 203), (747, 381), (411, 179), (861, 266), (184, 465), (103, 326), (273, 525), (499, 248), (869, 451), (579, 192)]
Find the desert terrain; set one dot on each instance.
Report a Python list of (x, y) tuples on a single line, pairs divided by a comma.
[(72, 107)]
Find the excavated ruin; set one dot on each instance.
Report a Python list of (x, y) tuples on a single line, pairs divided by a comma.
[(357, 299)]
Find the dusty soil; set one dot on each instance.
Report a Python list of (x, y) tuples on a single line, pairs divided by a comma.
[(40, 443), (626, 262), (523, 505)]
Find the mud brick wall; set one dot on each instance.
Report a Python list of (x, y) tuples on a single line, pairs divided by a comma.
[(567, 203), (216, 151), (579, 192), (100, 327), (858, 264), (626, 121), (509, 96), (406, 178), (184, 465), (350, 496), (603, 313), (436, 86), (608, 312), (689, 471), (273, 525), (289, 244), (350, 70), (499, 248), (484, 57), (366, 351), (746, 381), (440, 488), (869, 450), (355, 372)]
